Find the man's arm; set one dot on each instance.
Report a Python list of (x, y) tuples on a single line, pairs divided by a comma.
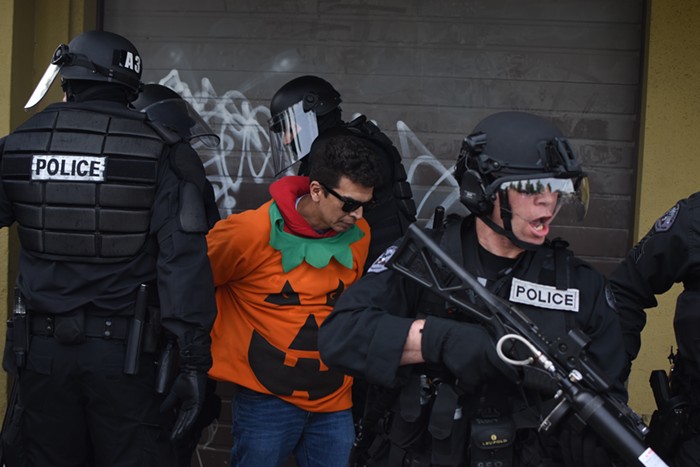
[(371, 332)]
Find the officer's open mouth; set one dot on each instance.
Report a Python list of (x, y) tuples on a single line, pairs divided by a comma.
[(541, 223)]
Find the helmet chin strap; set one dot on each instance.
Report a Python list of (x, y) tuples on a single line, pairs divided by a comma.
[(507, 230)]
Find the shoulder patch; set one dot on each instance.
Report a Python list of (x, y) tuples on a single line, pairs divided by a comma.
[(666, 221), (610, 297), (379, 264)]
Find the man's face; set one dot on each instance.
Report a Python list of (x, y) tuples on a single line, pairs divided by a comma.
[(331, 207), (532, 214)]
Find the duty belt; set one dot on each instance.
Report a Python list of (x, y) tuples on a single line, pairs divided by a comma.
[(114, 327)]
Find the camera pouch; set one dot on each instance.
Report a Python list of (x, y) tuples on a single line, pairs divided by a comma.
[(492, 441)]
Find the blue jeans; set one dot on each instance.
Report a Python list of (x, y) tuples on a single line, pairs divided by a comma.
[(267, 431)]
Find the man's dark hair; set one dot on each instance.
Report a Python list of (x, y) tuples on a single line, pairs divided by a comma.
[(340, 153)]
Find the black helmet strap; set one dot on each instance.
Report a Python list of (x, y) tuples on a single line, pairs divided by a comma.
[(507, 230)]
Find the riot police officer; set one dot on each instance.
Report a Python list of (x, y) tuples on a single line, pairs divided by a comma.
[(166, 107), (306, 108), (668, 254), (515, 171), (113, 266)]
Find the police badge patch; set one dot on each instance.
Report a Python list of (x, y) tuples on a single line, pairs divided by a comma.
[(666, 221), (379, 264)]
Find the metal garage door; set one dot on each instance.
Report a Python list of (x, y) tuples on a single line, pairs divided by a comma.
[(425, 71)]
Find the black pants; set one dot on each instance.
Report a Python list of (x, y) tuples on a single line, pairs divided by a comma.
[(82, 410)]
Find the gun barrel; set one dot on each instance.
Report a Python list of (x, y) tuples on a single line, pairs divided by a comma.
[(592, 410)]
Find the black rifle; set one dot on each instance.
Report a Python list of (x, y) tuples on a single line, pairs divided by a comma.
[(582, 387)]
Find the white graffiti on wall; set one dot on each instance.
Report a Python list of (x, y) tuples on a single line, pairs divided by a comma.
[(243, 157)]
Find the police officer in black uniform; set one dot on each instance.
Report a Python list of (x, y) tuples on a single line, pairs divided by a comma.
[(167, 108), (668, 254), (113, 267), (446, 382), (307, 107)]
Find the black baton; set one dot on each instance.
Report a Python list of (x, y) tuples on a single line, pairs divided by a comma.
[(135, 337)]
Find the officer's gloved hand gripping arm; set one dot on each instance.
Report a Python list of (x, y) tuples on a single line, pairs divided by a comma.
[(186, 289)]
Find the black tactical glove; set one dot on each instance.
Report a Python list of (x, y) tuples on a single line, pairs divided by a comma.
[(465, 349), (189, 389), (582, 447)]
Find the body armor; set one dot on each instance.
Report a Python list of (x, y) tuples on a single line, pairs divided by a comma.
[(82, 182)]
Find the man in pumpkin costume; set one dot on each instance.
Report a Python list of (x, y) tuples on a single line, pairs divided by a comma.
[(278, 271)]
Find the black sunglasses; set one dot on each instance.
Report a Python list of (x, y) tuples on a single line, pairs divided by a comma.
[(349, 204)]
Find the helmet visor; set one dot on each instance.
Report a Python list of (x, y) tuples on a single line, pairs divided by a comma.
[(572, 192), (180, 116), (292, 132)]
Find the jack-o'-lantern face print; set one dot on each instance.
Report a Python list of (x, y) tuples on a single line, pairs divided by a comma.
[(271, 365)]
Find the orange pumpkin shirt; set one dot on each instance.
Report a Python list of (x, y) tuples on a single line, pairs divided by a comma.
[(265, 334)]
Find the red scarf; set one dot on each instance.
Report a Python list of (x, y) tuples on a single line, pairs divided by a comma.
[(285, 192)]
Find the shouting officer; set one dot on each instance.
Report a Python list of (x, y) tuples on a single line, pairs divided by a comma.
[(112, 266), (307, 107), (515, 171)]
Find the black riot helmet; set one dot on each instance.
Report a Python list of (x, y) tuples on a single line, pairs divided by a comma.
[(166, 107), (300, 110), (520, 151), (93, 56), (100, 56)]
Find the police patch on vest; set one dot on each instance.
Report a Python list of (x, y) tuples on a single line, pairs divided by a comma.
[(666, 221), (543, 296), (68, 168), (379, 264)]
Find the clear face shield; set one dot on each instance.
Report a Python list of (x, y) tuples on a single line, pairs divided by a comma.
[(180, 116), (59, 58), (292, 132), (573, 194)]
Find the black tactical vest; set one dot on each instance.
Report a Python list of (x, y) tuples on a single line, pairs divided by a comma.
[(82, 182)]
